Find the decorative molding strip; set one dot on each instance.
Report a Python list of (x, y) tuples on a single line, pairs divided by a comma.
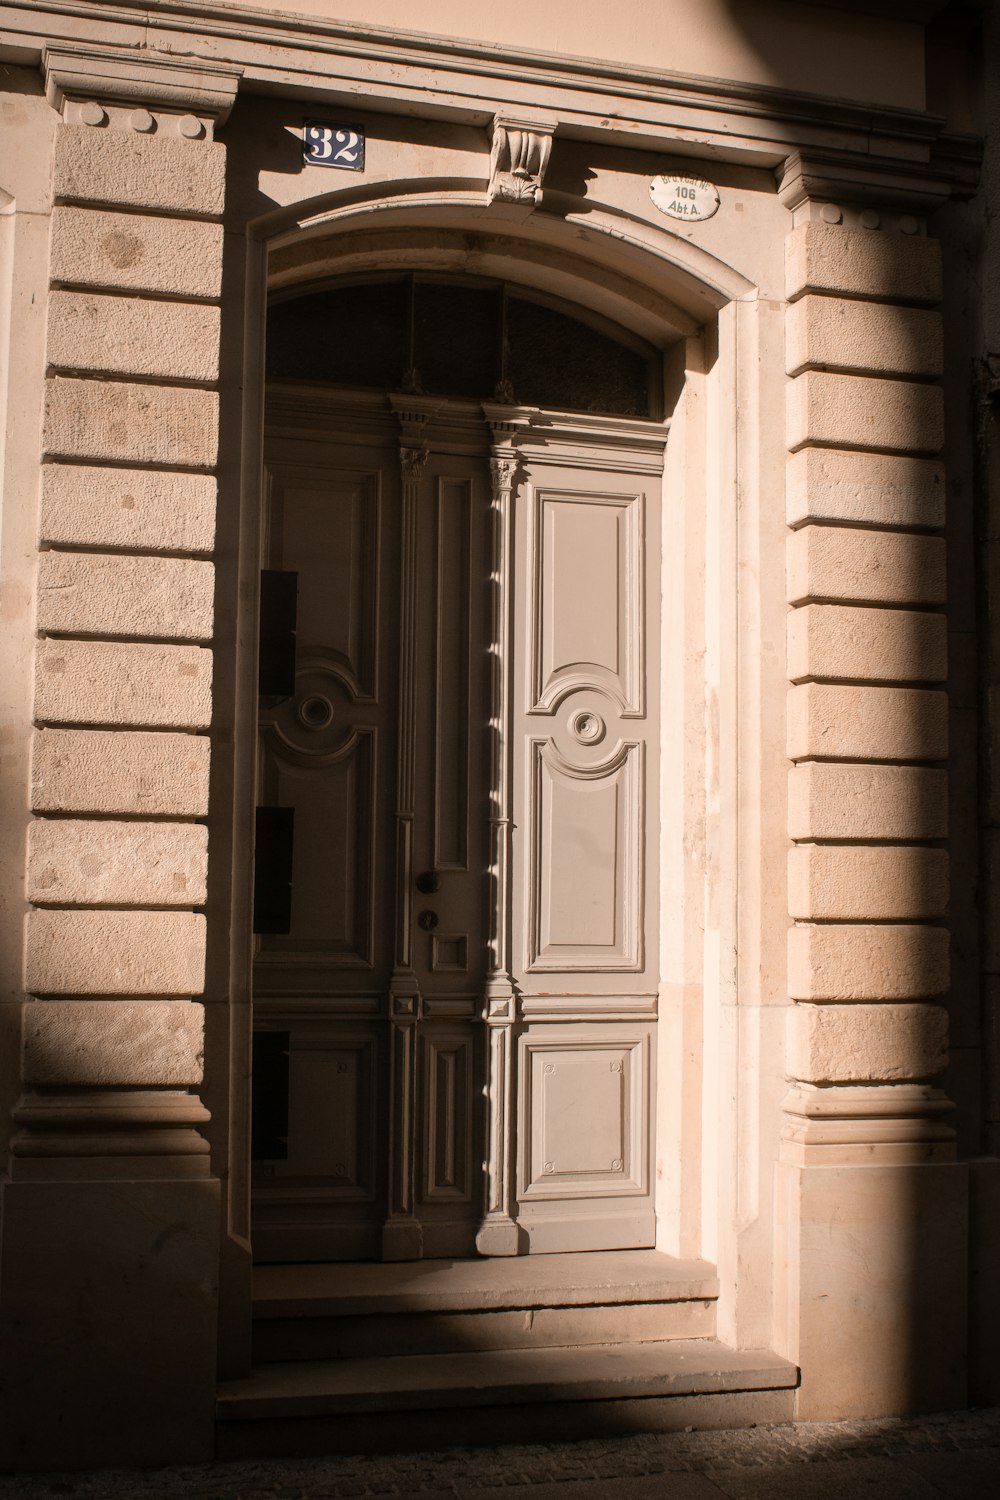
[(750, 122), (125, 77), (835, 176)]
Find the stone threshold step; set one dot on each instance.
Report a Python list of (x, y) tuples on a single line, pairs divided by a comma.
[(501, 1378), (598, 1278)]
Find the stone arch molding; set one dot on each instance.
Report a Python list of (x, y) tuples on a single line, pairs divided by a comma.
[(602, 256), (639, 273)]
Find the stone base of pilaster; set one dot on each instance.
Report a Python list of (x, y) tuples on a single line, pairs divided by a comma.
[(984, 1281), (108, 1314), (871, 1286)]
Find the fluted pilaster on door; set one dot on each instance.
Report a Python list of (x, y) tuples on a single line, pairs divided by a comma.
[(499, 1234), (402, 1236)]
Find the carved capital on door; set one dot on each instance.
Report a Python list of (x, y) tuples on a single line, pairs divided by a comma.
[(518, 160), (412, 461)]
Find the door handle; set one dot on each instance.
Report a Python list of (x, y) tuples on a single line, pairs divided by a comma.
[(428, 882)]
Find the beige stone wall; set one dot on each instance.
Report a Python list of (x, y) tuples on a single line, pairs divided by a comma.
[(866, 1133), (125, 601), (866, 647)]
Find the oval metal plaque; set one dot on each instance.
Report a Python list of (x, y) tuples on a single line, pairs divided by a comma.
[(685, 197)]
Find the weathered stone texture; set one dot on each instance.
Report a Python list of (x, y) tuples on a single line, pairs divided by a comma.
[(113, 421), (117, 864), (844, 801), (129, 508), (876, 645), (91, 593), (830, 333), (861, 961), (115, 953), (866, 1043), (859, 411), (136, 252), (866, 723), (872, 489), (114, 1043), (857, 882), (101, 771), (862, 263), (137, 171), (880, 567), (133, 336), (110, 682)]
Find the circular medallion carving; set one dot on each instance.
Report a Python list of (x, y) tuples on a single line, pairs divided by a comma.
[(587, 727), (314, 711)]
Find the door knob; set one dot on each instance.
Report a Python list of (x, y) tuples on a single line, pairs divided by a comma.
[(428, 882), (428, 920)]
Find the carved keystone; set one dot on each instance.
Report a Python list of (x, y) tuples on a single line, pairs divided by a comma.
[(520, 155)]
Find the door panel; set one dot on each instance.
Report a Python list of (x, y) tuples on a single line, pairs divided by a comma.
[(585, 846), (380, 752)]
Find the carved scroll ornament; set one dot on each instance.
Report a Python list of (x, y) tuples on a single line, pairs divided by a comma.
[(520, 155)]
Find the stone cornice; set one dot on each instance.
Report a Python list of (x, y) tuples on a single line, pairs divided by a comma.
[(129, 77), (307, 57)]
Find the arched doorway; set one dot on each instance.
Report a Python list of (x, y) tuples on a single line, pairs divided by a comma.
[(456, 1029)]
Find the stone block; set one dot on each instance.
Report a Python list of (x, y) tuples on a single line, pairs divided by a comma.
[(831, 333), (867, 489), (873, 645), (827, 800), (75, 862), (107, 771), (109, 1316), (877, 1256), (860, 411), (113, 1043), (866, 1043), (862, 263), (115, 953), (92, 593), (133, 336), (110, 682), (857, 883), (136, 252), (138, 509), (123, 168), (864, 961), (866, 723), (878, 567), (110, 421)]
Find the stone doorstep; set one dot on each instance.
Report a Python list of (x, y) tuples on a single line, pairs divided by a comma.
[(371, 1334), (680, 1368), (594, 1278)]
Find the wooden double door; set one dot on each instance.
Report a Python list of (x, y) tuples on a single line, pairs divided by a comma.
[(455, 1031)]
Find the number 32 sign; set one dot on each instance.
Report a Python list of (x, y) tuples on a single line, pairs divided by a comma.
[(333, 146)]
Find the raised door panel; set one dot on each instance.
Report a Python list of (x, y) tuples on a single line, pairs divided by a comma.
[(585, 827), (326, 750)]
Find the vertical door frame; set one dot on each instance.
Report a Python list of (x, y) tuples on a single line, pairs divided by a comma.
[(705, 1209)]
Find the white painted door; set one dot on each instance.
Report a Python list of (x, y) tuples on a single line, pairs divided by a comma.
[(574, 1170), (469, 754)]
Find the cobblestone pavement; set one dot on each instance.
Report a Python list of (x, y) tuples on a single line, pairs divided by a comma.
[(955, 1454)]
